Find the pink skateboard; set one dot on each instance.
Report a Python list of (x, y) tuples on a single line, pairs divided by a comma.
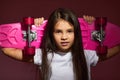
[(12, 35)]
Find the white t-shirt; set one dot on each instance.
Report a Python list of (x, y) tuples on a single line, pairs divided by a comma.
[(61, 65)]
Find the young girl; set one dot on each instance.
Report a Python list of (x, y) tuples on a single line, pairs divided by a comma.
[(61, 55)]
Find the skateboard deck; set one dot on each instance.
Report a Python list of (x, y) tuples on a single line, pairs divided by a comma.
[(12, 35)]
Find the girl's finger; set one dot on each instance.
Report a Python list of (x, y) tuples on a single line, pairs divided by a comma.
[(36, 23)]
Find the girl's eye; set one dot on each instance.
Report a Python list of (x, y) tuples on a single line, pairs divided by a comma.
[(57, 31), (70, 31)]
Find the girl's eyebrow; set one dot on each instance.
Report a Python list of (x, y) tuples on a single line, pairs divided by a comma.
[(71, 29), (57, 30)]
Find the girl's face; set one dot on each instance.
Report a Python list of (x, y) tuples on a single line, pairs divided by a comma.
[(63, 35)]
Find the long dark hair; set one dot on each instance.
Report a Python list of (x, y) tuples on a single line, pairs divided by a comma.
[(48, 44)]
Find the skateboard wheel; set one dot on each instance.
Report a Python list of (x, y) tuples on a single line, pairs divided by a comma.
[(29, 50), (28, 20), (100, 22), (102, 50)]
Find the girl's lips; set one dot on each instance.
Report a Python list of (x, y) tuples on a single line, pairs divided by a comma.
[(64, 43)]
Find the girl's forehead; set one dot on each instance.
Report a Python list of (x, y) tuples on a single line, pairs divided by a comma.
[(62, 22), (63, 25)]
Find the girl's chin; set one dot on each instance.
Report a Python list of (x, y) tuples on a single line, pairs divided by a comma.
[(64, 50)]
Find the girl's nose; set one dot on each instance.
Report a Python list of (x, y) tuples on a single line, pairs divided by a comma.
[(64, 36)]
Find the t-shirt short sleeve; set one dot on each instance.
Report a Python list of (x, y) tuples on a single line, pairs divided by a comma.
[(91, 57), (38, 57)]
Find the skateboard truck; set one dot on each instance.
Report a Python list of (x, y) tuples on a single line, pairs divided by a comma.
[(99, 34), (28, 49)]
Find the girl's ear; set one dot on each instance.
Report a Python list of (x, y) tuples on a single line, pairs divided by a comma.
[(38, 21), (89, 19)]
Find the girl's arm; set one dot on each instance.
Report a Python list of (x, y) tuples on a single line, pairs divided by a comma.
[(17, 54), (13, 52), (111, 52)]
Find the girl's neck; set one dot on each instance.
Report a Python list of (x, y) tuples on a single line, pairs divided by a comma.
[(63, 52)]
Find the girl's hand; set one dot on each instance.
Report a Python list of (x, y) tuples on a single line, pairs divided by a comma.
[(38, 21), (89, 19)]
